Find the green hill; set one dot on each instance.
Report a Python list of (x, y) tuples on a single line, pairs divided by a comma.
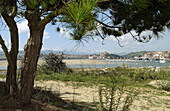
[(133, 54)]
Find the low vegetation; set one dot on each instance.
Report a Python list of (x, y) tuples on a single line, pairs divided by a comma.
[(53, 64), (116, 86), (132, 76)]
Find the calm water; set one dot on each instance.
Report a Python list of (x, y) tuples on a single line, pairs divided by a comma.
[(120, 63), (126, 63)]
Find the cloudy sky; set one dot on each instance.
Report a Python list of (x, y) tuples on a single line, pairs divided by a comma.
[(62, 42)]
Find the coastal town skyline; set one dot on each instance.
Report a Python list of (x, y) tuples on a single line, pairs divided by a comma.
[(143, 55)]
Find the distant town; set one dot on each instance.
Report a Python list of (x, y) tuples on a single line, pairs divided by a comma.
[(154, 56), (143, 55)]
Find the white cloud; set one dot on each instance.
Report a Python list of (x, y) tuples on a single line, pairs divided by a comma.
[(46, 35), (102, 50), (112, 38), (64, 33), (147, 32), (127, 39), (28, 35), (23, 27), (54, 49), (97, 39)]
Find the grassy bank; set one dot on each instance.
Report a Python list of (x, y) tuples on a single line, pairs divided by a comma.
[(128, 76), (125, 75), (103, 76), (104, 83), (123, 85)]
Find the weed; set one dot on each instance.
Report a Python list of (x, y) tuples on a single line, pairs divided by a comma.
[(2, 75), (113, 96)]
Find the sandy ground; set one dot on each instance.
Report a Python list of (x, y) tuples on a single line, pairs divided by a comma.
[(67, 61), (73, 61), (83, 61), (5, 63), (69, 91), (147, 100), (80, 61)]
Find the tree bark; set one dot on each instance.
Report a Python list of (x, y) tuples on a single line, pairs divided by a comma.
[(11, 86), (29, 63)]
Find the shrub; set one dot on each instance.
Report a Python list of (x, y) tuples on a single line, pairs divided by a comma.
[(54, 63), (113, 96)]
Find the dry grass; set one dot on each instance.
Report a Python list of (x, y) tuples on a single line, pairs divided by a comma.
[(148, 99)]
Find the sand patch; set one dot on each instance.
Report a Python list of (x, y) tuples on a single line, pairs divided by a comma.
[(147, 100)]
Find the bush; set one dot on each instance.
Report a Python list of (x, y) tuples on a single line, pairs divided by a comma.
[(54, 63), (113, 96)]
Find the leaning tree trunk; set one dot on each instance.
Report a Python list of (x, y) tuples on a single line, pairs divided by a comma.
[(11, 86), (29, 63)]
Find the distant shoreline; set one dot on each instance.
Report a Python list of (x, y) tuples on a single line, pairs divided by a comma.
[(81, 62)]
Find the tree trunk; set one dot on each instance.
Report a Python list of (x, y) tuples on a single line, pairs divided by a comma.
[(11, 86), (29, 63)]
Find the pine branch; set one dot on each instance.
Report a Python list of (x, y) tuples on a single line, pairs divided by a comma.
[(50, 17), (107, 25)]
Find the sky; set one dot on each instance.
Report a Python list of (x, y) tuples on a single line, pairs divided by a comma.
[(56, 41)]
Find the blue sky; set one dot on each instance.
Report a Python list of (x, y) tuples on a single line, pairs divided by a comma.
[(62, 41)]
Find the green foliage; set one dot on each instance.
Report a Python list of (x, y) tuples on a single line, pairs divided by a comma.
[(140, 5), (140, 16), (133, 54), (163, 85), (113, 95), (2, 75), (53, 63), (80, 12), (108, 31), (166, 87), (120, 75), (79, 17), (43, 6), (7, 5), (52, 2), (34, 4), (112, 99)]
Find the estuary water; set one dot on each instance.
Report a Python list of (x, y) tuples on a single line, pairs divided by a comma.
[(131, 63), (116, 63)]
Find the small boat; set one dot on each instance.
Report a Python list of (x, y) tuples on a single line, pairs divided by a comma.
[(162, 60)]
